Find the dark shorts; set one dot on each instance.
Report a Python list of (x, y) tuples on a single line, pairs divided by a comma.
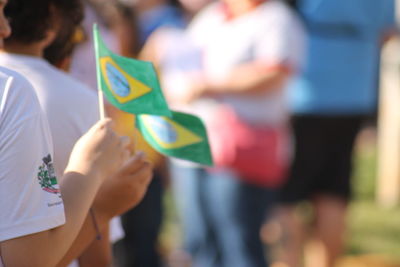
[(323, 157)]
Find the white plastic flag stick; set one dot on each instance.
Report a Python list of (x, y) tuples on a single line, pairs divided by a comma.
[(100, 92)]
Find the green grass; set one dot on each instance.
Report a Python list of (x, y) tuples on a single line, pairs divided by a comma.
[(372, 229), (364, 175)]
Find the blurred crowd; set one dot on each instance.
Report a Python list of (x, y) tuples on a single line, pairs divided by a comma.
[(283, 87)]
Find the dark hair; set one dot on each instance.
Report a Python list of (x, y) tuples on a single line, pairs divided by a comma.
[(292, 3), (30, 20), (175, 3), (63, 45)]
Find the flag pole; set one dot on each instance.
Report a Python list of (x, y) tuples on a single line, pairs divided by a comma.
[(101, 111), (101, 103), (98, 73)]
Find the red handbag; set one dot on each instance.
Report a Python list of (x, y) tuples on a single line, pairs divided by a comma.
[(258, 153)]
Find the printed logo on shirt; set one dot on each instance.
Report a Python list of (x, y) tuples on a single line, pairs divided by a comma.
[(47, 177)]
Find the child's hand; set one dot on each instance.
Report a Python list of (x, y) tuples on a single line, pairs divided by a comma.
[(125, 189), (100, 151)]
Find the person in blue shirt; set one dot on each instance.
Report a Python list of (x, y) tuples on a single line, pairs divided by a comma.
[(330, 98), (158, 13)]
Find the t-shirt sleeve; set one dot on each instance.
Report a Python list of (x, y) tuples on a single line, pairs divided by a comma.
[(283, 43), (30, 199), (197, 30)]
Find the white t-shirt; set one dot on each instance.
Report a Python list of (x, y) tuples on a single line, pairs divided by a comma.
[(30, 200), (270, 34), (71, 107)]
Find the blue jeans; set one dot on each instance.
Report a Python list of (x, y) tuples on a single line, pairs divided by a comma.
[(221, 217)]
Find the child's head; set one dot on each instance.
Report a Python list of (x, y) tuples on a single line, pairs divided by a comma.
[(5, 29), (60, 51), (32, 21)]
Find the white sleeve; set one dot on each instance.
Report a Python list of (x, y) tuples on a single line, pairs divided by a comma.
[(283, 41), (206, 18), (30, 200)]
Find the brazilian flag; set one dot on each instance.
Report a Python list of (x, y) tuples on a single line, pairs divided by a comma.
[(128, 84), (182, 136)]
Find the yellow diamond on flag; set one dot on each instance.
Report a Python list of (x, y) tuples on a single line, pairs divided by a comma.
[(167, 133), (123, 86)]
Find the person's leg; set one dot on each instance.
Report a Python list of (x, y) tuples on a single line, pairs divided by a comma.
[(334, 191), (306, 167), (189, 193), (330, 225), (238, 211), (293, 236)]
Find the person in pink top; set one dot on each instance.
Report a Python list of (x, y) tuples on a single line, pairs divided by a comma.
[(239, 55)]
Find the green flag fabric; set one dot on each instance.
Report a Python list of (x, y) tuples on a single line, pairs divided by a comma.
[(182, 136), (128, 84)]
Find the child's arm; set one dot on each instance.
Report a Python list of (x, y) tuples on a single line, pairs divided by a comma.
[(97, 155)]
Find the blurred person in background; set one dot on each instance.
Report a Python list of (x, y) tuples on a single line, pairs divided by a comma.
[(59, 54), (74, 52), (117, 25), (329, 100), (175, 57), (140, 247), (236, 56), (155, 14)]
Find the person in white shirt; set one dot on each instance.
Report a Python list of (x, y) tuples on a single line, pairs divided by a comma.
[(33, 217), (24, 132), (236, 55), (67, 126)]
